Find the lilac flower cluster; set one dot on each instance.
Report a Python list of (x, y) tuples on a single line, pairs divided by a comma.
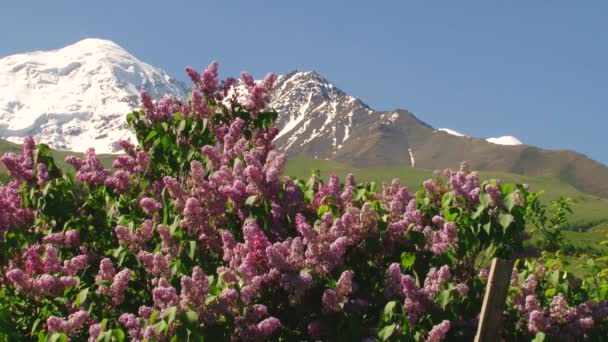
[(134, 240), (70, 238), (12, 214), (558, 318), (133, 162), (333, 298), (417, 300), (71, 326), (439, 332), (118, 281), (90, 170), (465, 183), (45, 275), (163, 110), (326, 246), (446, 237), (21, 167), (259, 92)]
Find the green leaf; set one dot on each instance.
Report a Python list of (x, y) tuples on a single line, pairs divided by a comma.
[(251, 200), (484, 200), (553, 277), (386, 332), (57, 337), (487, 227), (540, 337), (170, 313), (505, 220), (189, 319), (407, 260), (444, 298), (181, 126), (508, 188), (81, 297), (360, 194), (447, 199), (322, 210), (166, 142), (150, 136), (389, 309), (35, 325), (309, 195), (509, 201), (118, 334), (191, 249), (452, 214)]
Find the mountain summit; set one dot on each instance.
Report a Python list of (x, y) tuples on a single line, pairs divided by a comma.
[(77, 96)]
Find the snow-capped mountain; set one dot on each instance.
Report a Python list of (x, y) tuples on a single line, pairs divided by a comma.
[(77, 96)]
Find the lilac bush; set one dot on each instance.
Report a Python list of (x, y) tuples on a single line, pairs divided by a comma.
[(196, 232)]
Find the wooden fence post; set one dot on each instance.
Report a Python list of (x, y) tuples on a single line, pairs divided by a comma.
[(494, 300)]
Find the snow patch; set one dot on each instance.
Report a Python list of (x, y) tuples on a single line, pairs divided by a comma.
[(451, 131), (508, 140), (412, 160)]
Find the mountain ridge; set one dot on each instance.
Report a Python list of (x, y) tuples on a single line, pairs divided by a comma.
[(77, 96)]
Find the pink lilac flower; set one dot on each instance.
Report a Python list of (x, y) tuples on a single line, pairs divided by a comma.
[(330, 301), (71, 326), (439, 332), (538, 322), (94, 332), (268, 326), (465, 183), (20, 167), (119, 285), (392, 287), (150, 206), (165, 295), (495, 195), (209, 79), (119, 181), (133, 326), (90, 170), (194, 289), (462, 289), (42, 174)]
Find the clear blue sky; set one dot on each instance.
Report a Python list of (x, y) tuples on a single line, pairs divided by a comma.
[(534, 69)]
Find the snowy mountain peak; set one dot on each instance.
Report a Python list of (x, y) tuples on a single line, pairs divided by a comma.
[(309, 82), (76, 96), (88, 45), (314, 112)]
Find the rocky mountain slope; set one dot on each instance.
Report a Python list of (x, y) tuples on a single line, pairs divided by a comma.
[(320, 121), (77, 97)]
